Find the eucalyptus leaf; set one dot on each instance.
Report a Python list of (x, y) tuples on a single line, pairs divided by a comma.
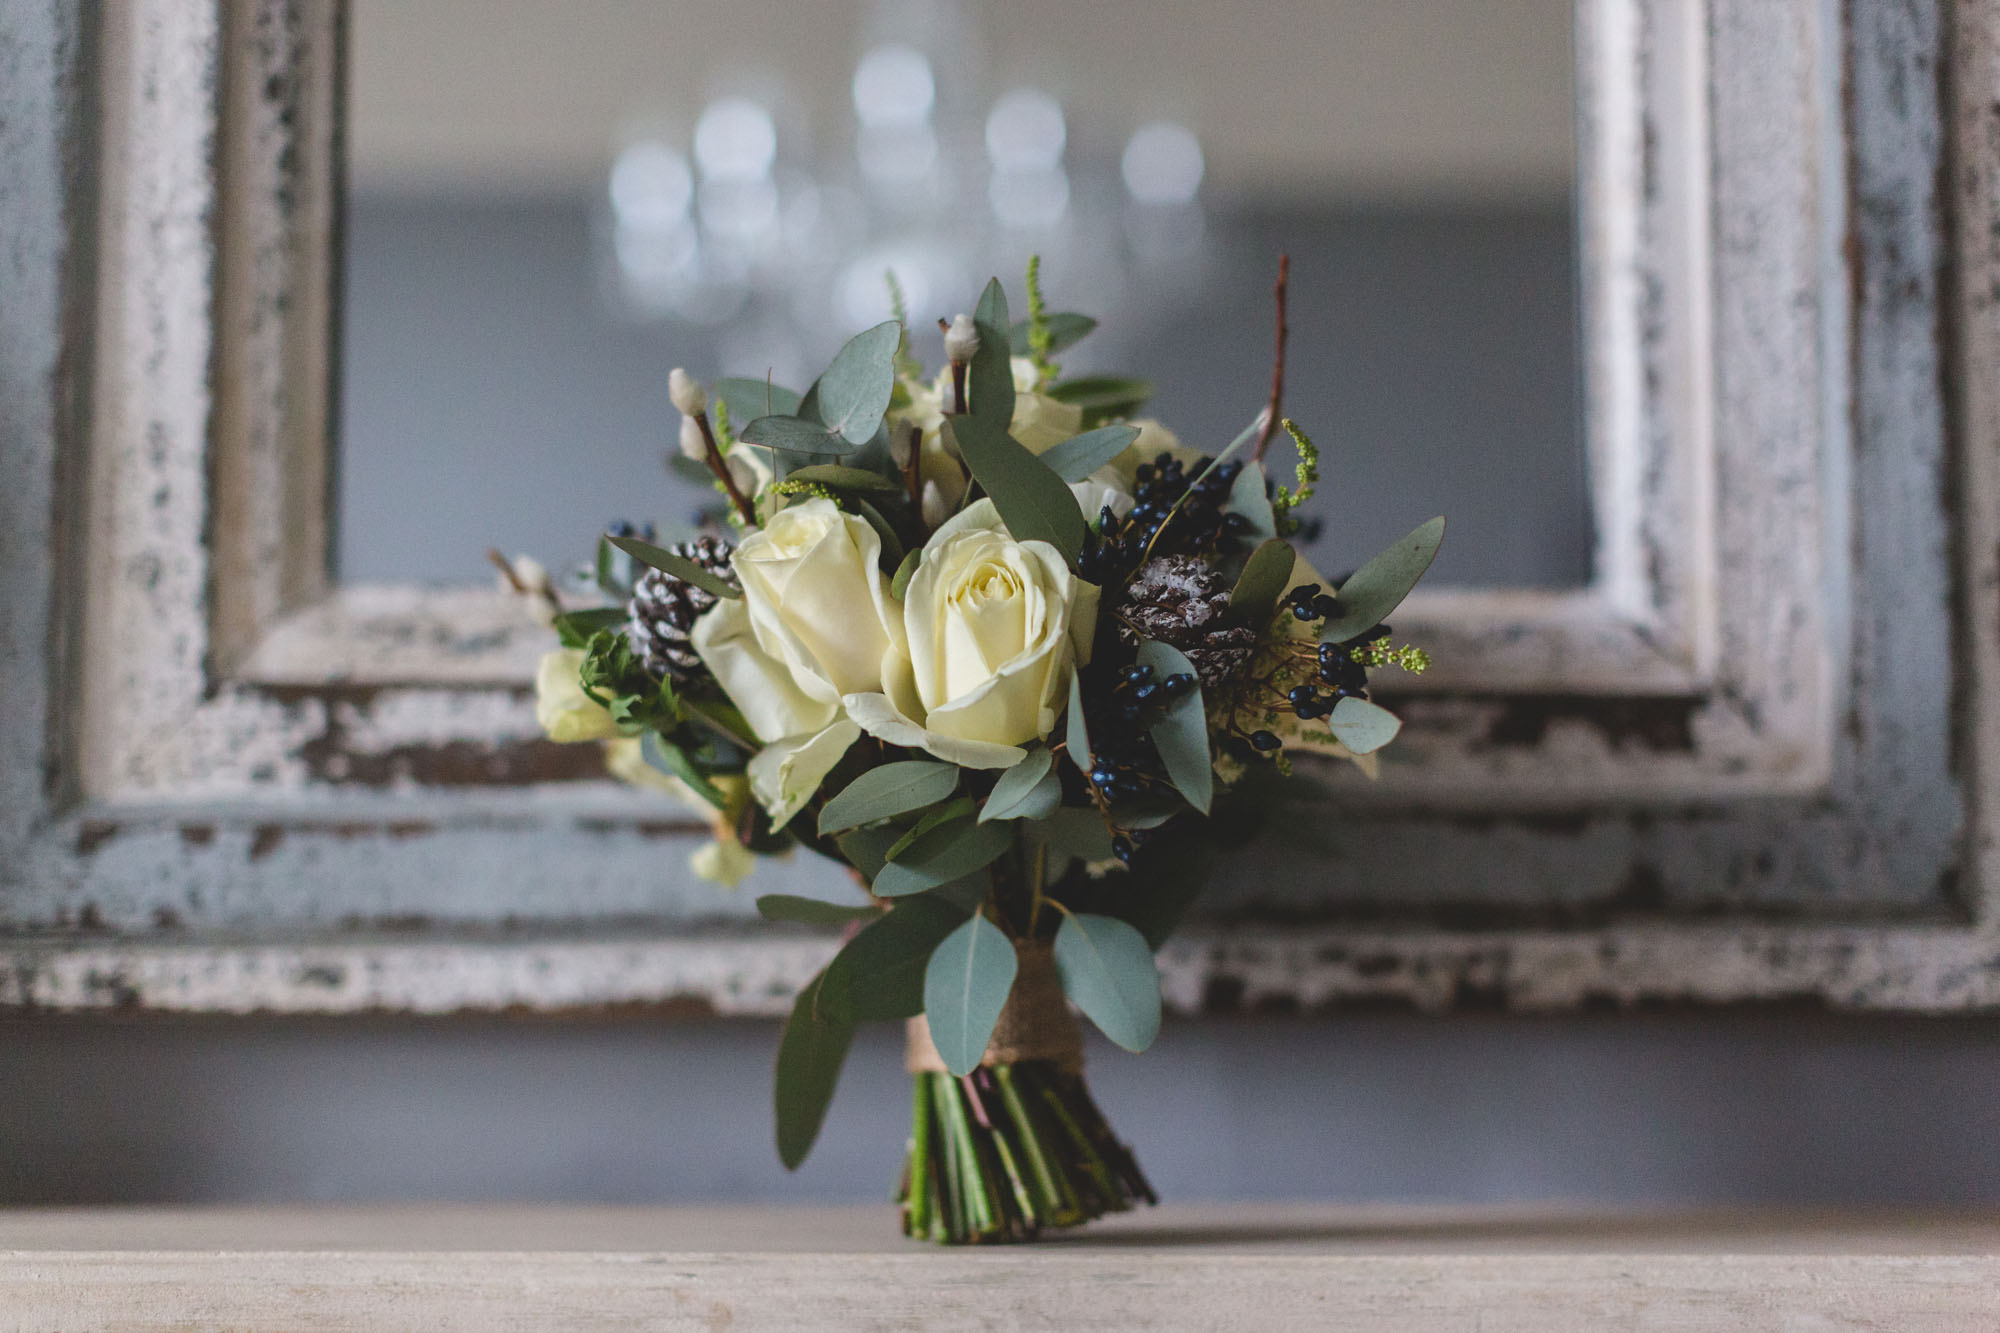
[(1254, 600), (1181, 734), (1077, 457), (888, 790), (810, 1054), (812, 911), (1363, 727), (808, 408), (1380, 586), (666, 757), (725, 717), (966, 984), (904, 572), (1066, 329), (948, 852), (687, 571), (839, 477), (892, 542), (749, 399), (1077, 733), (574, 628), (690, 471), (1034, 503), (1028, 790), (1107, 967), (1247, 497), (1073, 833), (613, 570), (854, 391), (882, 967), (990, 378), (867, 849), (796, 436), (957, 808), (1103, 395)]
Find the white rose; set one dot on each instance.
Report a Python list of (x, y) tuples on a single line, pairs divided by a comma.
[(1040, 423), (561, 706), (994, 629)]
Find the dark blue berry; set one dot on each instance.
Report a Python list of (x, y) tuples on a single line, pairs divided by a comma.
[(1304, 593), (1177, 684), (1302, 694), (1305, 611), (1146, 693), (1264, 740), (1138, 675), (1326, 606)]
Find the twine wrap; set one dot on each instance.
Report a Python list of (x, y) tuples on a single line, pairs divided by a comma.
[(1035, 1023)]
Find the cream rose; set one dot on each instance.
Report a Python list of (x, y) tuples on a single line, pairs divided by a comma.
[(993, 630), (564, 710), (1040, 423)]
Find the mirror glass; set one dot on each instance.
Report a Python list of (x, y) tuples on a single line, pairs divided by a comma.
[(548, 206)]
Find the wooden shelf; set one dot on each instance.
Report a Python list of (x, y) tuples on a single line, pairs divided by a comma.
[(493, 1267)]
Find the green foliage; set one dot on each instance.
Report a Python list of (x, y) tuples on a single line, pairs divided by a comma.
[(812, 911), (1066, 329), (1381, 654), (907, 366), (1254, 600), (667, 562), (1072, 833), (1380, 586), (1030, 789), (881, 970), (810, 1054), (1107, 967), (574, 629), (1363, 727), (613, 675), (748, 399), (839, 477), (1181, 734), (990, 377), (1040, 343), (1076, 458), (1246, 497), (665, 756), (1286, 500), (854, 392), (1034, 503), (867, 849), (1103, 397), (900, 584), (1077, 734), (966, 985), (947, 852), (886, 791), (795, 435), (959, 807)]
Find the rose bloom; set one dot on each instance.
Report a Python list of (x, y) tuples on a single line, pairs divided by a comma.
[(994, 628)]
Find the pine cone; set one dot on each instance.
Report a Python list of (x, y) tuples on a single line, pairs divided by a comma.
[(664, 609), (1179, 600)]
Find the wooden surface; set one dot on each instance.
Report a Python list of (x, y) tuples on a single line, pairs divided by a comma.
[(1173, 1267)]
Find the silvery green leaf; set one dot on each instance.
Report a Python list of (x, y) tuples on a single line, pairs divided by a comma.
[(1077, 735), (990, 378), (1073, 833), (958, 807), (966, 984), (888, 790), (1181, 734), (1363, 727), (687, 571), (1247, 497), (854, 391), (901, 583), (810, 1054), (1066, 330), (1076, 458), (1028, 790), (839, 477), (812, 911), (1103, 397), (948, 852), (1265, 576), (749, 399), (663, 756), (1107, 968), (881, 970), (1380, 586), (795, 436), (1034, 503)]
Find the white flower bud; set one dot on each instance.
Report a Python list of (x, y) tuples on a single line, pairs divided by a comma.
[(935, 510), (687, 393), (901, 441), (961, 340), (692, 443), (743, 474), (528, 572)]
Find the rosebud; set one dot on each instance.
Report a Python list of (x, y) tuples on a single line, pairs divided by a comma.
[(687, 393), (961, 340), (743, 473), (935, 510), (692, 443), (901, 441)]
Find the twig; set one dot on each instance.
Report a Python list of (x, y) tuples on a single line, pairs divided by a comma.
[(507, 572), (913, 470), (721, 471), (1277, 367)]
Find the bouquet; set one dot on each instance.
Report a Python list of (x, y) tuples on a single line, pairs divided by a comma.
[(1022, 662)]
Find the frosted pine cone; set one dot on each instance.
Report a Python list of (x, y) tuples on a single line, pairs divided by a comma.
[(1178, 600), (664, 609)]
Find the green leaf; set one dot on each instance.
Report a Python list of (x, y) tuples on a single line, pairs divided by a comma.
[(749, 399), (1103, 396), (810, 1054), (726, 718), (614, 570), (901, 583), (1247, 497), (1254, 600), (867, 849), (1363, 727), (1076, 458), (854, 391), (956, 808), (1380, 586), (796, 436), (1034, 502), (882, 967), (966, 985), (888, 790), (575, 628), (812, 911), (837, 476), (1073, 833), (1028, 790), (990, 378), (1107, 968), (688, 470), (1066, 330), (666, 757), (687, 571), (948, 852), (1077, 733), (1181, 734), (892, 544)]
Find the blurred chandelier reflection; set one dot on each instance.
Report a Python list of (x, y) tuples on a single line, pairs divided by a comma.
[(947, 181)]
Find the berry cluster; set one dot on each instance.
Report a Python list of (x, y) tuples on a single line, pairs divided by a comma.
[(1199, 525), (1342, 671), (1123, 761)]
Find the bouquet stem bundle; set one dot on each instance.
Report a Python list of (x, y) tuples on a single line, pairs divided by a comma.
[(1008, 1150)]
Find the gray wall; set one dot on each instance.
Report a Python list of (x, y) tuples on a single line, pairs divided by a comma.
[(1633, 1109)]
